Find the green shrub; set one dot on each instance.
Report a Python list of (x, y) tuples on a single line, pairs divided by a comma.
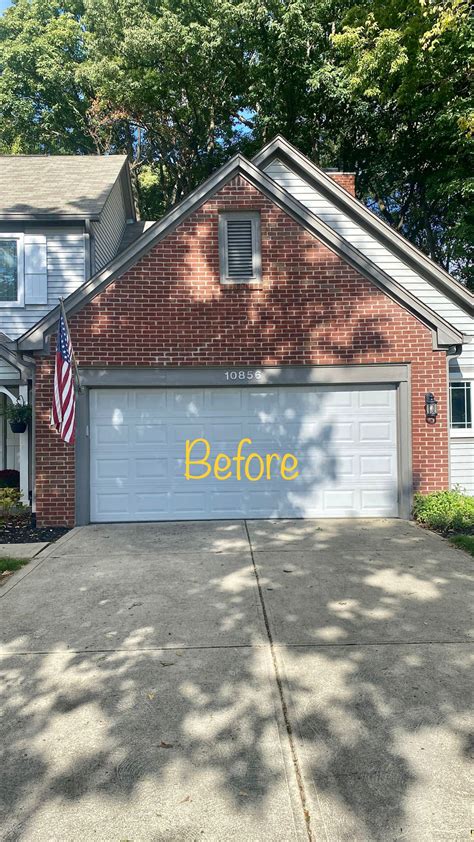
[(17, 412), (10, 502), (445, 511), (465, 542)]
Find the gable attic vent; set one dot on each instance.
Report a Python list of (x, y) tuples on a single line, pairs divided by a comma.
[(239, 242)]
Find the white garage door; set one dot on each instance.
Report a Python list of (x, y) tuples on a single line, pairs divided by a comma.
[(345, 440)]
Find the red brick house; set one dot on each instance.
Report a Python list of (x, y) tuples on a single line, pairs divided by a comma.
[(252, 314)]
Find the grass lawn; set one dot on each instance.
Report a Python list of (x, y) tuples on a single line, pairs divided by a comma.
[(464, 542), (11, 564)]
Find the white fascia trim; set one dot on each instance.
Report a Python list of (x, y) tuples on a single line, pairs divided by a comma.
[(445, 333), (279, 147)]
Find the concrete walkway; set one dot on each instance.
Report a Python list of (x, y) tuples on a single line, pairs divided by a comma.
[(261, 680)]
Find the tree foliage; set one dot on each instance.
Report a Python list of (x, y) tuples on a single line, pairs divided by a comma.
[(380, 86)]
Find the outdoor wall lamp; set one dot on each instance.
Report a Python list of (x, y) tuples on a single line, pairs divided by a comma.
[(431, 407)]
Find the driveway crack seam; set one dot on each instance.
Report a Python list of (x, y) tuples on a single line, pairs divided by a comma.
[(284, 706)]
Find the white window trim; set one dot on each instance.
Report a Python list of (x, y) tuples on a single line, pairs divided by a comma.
[(254, 216), (20, 301), (460, 432)]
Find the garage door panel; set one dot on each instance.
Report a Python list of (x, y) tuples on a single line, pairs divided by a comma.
[(187, 403), (114, 469), (376, 398), (225, 401), (374, 432), (316, 463), (227, 502), (342, 499), (149, 434), (180, 432), (377, 499), (105, 401), (344, 438), (112, 505), (377, 466), (301, 403), (149, 404), (229, 434), (151, 468), (111, 434), (267, 434), (190, 503), (337, 399), (149, 502)]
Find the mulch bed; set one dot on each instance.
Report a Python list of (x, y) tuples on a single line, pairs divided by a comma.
[(20, 531)]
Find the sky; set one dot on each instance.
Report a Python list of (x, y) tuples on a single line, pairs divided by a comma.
[(4, 4)]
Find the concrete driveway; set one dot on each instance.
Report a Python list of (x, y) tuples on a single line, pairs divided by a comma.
[(261, 680)]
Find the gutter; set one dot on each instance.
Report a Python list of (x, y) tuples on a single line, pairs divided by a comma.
[(445, 334)]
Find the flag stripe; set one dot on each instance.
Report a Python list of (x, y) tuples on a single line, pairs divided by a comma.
[(63, 411)]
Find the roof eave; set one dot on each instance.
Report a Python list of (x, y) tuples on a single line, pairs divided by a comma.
[(14, 359), (446, 334), (47, 217)]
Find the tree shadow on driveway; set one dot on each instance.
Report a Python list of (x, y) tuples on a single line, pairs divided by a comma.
[(149, 738)]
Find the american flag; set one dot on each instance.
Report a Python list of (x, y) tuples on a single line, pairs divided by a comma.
[(63, 414)]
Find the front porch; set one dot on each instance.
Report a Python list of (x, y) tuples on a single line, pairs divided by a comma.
[(15, 448)]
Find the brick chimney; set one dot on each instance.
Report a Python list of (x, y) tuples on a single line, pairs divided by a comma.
[(344, 179)]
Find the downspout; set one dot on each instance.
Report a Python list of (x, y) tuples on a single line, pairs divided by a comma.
[(452, 352), (88, 250), (33, 448)]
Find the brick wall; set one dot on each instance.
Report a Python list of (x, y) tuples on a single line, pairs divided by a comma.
[(311, 308), (344, 179), (55, 479)]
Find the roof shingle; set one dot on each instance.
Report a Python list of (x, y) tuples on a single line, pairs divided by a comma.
[(42, 186)]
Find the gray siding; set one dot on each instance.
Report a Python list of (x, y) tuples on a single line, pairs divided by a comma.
[(462, 463), (66, 271), (8, 373), (374, 250), (109, 231)]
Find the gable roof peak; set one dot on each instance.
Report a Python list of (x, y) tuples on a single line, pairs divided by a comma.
[(34, 338), (279, 147)]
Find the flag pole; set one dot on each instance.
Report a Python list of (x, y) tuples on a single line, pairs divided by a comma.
[(74, 362)]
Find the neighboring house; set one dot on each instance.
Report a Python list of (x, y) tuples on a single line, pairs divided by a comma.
[(269, 305), (62, 219)]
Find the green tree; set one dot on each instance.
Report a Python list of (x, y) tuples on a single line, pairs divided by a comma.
[(409, 63), (380, 86), (42, 106)]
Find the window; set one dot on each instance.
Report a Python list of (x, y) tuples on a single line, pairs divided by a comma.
[(11, 270), (239, 247), (461, 406), (8, 270)]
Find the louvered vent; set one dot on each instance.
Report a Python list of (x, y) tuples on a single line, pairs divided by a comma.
[(239, 249)]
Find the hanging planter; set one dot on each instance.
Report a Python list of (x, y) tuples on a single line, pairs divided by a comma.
[(18, 426), (18, 415)]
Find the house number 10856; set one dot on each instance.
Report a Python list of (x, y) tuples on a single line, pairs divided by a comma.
[(243, 374)]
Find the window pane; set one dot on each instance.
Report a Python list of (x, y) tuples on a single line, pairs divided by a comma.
[(8, 270), (461, 405)]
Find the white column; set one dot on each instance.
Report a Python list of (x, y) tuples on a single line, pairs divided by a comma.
[(24, 464)]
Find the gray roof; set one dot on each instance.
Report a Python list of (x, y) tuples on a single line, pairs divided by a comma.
[(45, 186), (444, 334), (133, 230)]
